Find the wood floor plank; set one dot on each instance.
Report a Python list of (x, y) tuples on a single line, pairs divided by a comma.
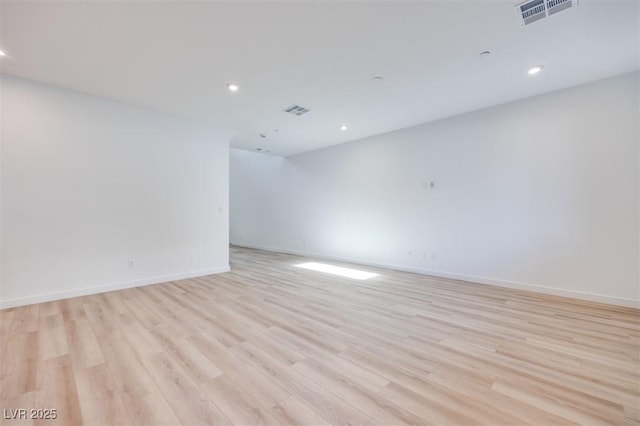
[(100, 401), (53, 337), (435, 411), (187, 399), (56, 389), (238, 406), (482, 393), (50, 308), (294, 412), (128, 371), (252, 380), (150, 410), (72, 309), (139, 337), (19, 365), (366, 400), (551, 405), (330, 407), (83, 345), (197, 365), (26, 319), (98, 318)]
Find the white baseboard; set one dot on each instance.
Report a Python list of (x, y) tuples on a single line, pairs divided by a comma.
[(600, 298), (21, 301)]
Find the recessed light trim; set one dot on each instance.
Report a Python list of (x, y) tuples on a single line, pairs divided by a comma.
[(485, 53), (535, 70), (377, 78), (344, 127), (233, 87)]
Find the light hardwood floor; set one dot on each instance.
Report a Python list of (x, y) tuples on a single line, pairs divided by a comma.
[(269, 343)]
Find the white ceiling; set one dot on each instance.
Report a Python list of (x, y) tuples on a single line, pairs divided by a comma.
[(178, 57)]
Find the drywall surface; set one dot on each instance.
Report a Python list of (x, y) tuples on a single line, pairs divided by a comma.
[(97, 195), (540, 194)]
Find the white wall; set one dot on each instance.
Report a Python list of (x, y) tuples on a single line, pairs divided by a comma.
[(540, 194), (89, 184)]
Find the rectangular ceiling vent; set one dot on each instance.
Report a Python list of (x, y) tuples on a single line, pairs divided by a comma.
[(535, 10), (296, 110)]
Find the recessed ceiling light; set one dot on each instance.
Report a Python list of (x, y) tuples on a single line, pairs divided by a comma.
[(233, 87), (535, 70), (262, 135), (343, 127), (485, 53), (377, 78), (258, 149), (2, 53)]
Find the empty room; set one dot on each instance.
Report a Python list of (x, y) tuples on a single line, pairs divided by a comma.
[(369, 213)]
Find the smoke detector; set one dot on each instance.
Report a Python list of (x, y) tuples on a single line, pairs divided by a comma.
[(535, 10), (296, 110)]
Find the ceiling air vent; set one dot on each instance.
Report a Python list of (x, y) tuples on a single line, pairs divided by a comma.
[(534, 10), (296, 110)]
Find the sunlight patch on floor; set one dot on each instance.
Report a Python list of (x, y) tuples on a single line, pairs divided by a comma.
[(338, 270)]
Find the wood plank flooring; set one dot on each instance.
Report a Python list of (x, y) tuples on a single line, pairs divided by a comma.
[(269, 343)]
